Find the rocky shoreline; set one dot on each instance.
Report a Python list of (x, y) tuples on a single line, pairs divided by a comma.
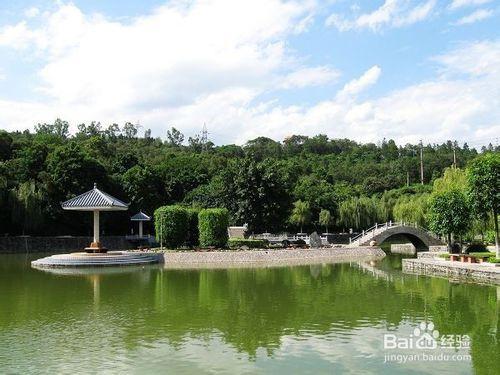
[(268, 257)]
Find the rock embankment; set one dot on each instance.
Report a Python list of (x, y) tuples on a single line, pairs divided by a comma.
[(282, 257)]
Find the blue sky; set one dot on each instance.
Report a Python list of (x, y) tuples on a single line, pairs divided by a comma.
[(367, 70)]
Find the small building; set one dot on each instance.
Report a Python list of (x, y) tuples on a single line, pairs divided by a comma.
[(96, 201)]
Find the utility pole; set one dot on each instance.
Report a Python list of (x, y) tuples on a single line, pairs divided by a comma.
[(204, 138), (421, 163), (408, 178), (454, 157)]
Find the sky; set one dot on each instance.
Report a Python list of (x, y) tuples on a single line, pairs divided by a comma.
[(406, 70)]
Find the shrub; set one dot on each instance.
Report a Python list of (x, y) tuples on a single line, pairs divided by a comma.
[(445, 256), (476, 247), (494, 260), (212, 225), (482, 254), (235, 243), (193, 232), (171, 225)]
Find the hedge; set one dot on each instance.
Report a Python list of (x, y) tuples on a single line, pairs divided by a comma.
[(212, 225), (235, 243), (193, 233), (171, 225)]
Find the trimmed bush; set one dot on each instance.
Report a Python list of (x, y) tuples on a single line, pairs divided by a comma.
[(193, 232), (235, 243), (482, 254), (171, 225), (494, 260), (476, 247), (212, 225), (445, 256)]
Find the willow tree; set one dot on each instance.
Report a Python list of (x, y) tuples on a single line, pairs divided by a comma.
[(484, 188), (412, 209), (26, 207), (453, 179), (325, 218), (359, 213), (301, 214)]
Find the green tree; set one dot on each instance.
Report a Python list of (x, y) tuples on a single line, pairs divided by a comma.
[(301, 214), (359, 213), (412, 209), (453, 179), (174, 137), (484, 188), (26, 207), (325, 219), (449, 214)]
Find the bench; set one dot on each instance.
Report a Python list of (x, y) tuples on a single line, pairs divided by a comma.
[(466, 258)]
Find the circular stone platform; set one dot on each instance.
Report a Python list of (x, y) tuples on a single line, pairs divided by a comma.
[(112, 258)]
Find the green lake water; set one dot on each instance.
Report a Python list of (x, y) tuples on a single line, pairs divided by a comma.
[(320, 319)]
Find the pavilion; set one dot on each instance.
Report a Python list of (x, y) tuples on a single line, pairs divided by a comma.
[(141, 217), (96, 201)]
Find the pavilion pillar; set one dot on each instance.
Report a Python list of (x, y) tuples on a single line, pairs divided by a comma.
[(140, 229), (96, 227)]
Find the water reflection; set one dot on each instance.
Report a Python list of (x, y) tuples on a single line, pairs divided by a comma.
[(317, 318)]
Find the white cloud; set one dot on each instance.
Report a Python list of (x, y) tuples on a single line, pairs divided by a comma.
[(455, 4), (175, 57), (461, 103), (356, 86), (392, 13), (313, 76), (31, 12), (417, 14), (179, 66), (477, 15)]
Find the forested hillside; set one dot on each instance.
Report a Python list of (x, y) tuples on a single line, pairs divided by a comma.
[(258, 182)]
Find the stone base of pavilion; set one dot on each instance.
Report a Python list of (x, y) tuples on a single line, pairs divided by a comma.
[(111, 258)]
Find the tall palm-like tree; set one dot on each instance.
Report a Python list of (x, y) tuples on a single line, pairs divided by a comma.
[(301, 214)]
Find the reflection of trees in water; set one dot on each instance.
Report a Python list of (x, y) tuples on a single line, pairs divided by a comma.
[(255, 308)]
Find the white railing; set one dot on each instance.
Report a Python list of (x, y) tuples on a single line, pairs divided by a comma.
[(378, 228)]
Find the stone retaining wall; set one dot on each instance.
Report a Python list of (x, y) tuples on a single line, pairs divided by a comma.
[(63, 244), (483, 273), (403, 248), (195, 259)]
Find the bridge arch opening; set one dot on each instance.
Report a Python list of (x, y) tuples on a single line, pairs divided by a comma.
[(400, 238)]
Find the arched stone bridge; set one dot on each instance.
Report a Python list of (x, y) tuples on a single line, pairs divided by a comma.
[(381, 232)]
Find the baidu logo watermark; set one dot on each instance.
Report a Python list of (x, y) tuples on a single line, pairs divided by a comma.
[(426, 344)]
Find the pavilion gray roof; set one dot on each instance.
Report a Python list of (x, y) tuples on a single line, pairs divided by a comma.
[(94, 199), (141, 216)]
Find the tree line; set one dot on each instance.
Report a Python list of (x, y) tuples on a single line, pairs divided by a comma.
[(342, 183)]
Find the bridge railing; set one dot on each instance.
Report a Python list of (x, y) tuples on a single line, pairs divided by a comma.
[(380, 227)]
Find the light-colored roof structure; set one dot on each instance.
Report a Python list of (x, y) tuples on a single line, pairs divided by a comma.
[(141, 216), (94, 200)]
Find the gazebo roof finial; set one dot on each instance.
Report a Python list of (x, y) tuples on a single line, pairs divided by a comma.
[(95, 185)]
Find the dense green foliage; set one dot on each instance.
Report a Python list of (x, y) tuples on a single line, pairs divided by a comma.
[(325, 219), (193, 233), (301, 214), (257, 182), (212, 226), (449, 213), (171, 225), (484, 185)]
